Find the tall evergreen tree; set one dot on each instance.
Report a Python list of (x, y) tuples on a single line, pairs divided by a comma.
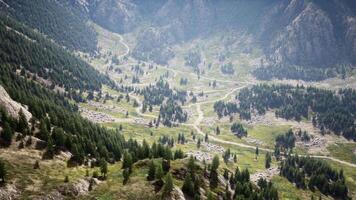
[(168, 185), (151, 171)]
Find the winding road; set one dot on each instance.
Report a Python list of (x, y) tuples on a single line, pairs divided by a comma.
[(200, 117)]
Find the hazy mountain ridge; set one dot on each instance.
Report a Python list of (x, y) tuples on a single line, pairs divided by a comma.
[(304, 33)]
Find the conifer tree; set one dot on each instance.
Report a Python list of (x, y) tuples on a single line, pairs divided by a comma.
[(151, 171), (159, 172), (7, 134), (103, 167), (188, 186), (168, 185), (22, 122)]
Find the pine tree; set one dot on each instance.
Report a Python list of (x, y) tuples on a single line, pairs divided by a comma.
[(198, 143), (168, 185), (268, 160), (213, 172), (43, 134), (7, 134), (22, 122), (103, 167), (127, 162), (188, 186), (257, 152), (151, 171), (159, 172), (217, 130)]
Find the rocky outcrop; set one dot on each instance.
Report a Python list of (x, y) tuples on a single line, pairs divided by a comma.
[(308, 40), (116, 15), (11, 106), (71, 190), (351, 37)]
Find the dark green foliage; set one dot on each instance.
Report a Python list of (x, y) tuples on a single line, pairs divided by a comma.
[(214, 180), (151, 171), (321, 175), (7, 134), (128, 161), (238, 129), (56, 19), (171, 112), (45, 59), (294, 72), (159, 172), (22, 122), (155, 94), (81, 136), (334, 111), (168, 185), (126, 174), (224, 109), (103, 168), (188, 185), (178, 154), (268, 160), (244, 189), (286, 141)]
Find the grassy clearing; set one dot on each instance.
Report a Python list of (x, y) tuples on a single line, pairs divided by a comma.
[(343, 151), (286, 190)]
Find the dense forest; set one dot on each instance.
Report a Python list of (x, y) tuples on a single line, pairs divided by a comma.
[(156, 94), (298, 73), (56, 19), (37, 57), (334, 111), (314, 174), (328, 110)]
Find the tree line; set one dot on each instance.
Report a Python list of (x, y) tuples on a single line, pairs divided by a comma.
[(328, 110), (314, 174)]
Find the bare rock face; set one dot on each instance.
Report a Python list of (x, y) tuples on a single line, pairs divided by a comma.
[(308, 40), (351, 36), (11, 106), (116, 15), (153, 44)]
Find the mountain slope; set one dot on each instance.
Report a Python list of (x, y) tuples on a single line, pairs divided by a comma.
[(38, 57), (57, 19)]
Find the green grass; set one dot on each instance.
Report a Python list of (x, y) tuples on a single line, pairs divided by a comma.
[(287, 191), (343, 151)]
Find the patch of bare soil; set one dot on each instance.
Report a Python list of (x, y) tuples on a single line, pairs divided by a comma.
[(266, 174)]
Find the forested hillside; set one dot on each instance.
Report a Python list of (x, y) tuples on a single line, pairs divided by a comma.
[(37, 57), (56, 19)]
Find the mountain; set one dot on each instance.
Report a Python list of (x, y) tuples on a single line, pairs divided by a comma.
[(304, 33)]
